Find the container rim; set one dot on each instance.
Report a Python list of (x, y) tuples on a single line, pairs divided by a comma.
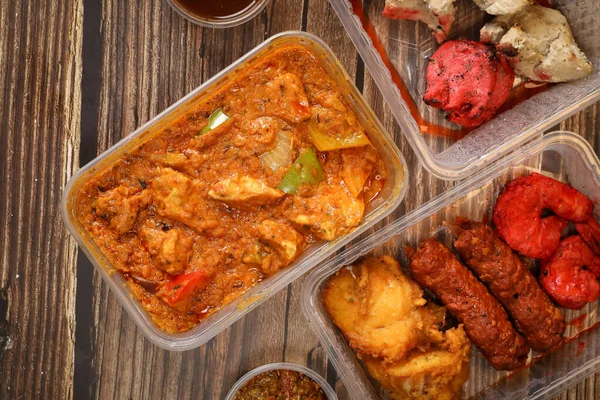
[(316, 276), (259, 293), (329, 392), (235, 20)]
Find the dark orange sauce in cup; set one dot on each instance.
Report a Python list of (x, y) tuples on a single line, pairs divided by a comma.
[(212, 9)]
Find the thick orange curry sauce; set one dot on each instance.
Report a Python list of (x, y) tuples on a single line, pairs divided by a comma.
[(185, 251)]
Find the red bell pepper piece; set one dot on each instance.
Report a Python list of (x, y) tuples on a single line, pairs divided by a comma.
[(182, 286)]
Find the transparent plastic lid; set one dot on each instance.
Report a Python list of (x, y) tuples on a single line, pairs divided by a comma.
[(561, 155), (399, 50)]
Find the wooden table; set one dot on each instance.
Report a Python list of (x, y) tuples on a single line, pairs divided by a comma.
[(75, 77)]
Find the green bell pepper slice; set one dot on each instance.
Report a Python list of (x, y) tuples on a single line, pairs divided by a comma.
[(306, 170), (216, 118)]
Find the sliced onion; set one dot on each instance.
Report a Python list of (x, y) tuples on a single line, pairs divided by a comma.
[(281, 155)]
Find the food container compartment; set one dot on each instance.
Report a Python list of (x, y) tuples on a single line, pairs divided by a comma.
[(389, 198), (329, 392), (409, 45), (562, 155)]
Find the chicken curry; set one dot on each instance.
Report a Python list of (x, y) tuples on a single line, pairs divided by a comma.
[(234, 190)]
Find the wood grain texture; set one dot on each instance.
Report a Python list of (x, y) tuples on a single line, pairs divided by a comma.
[(40, 80), (138, 58)]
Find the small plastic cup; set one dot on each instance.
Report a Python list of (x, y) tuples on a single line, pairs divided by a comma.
[(329, 392), (224, 22)]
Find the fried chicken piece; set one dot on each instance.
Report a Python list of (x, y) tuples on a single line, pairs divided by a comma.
[(438, 373), (379, 309), (539, 44)]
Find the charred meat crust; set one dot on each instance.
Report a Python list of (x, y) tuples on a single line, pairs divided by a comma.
[(509, 280), (486, 323)]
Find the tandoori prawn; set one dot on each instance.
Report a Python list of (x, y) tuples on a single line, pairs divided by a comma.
[(518, 213), (570, 276)]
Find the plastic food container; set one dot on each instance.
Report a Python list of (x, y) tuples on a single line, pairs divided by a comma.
[(226, 22), (408, 45), (562, 155), (389, 198), (292, 367)]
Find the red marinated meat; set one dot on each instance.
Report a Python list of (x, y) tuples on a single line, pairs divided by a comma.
[(570, 276), (469, 80), (509, 280), (435, 268)]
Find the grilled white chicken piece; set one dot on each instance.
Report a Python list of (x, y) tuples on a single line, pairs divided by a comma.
[(539, 45), (502, 7), (437, 14)]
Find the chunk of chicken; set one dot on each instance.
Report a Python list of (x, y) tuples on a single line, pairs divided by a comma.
[(502, 7), (437, 373), (439, 15), (539, 44), (357, 165), (259, 134), (254, 254), (284, 239), (176, 197), (186, 160), (121, 206), (285, 98), (331, 212), (171, 250), (244, 192)]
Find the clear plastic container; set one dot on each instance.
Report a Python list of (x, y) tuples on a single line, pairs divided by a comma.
[(289, 366), (408, 46), (225, 22), (562, 155), (389, 198)]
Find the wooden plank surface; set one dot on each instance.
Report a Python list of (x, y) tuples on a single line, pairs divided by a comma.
[(136, 59), (40, 81)]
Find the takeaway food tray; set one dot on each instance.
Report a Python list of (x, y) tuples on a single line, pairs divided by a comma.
[(564, 156), (389, 198), (408, 45)]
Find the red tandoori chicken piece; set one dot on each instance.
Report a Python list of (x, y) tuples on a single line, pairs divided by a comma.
[(564, 277), (518, 210), (469, 80)]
